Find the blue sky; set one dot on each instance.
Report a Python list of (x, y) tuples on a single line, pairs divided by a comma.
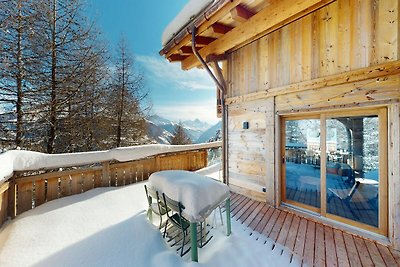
[(175, 94)]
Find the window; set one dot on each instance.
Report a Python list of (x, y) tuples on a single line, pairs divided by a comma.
[(335, 164)]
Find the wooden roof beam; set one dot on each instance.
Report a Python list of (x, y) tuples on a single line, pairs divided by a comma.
[(241, 13), (207, 24), (266, 21), (204, 41), (186, 50), (176, 57), (220, 28)]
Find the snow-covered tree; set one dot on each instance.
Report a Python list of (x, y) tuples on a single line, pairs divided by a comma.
[(180, 136)]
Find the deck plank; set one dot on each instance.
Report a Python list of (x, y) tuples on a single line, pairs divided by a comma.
[(374, 253), (330, 250), (342, 257), (247, 213), (239, 205), (314, 243), (253, 214), (386, 255), (354, 258), (265, 219), (268, 227), (291, 239), (396, 255), (285, 229), (319, 256), (301, 237), (309, 246), (238, 212), (253, 225), (278, 226)]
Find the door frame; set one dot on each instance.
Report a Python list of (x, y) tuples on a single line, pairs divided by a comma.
[(382, 114)]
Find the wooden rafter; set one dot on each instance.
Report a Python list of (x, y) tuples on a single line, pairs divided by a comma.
[(262, 23), (207, 24), (186, 50), (176, 57), (241, 14), (204, 41), (220, 28)]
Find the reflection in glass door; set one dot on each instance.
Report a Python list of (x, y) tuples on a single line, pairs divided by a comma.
[(336, 165), (352, 170), (302, 162)]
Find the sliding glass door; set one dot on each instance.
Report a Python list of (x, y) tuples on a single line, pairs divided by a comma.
[(335, 164)]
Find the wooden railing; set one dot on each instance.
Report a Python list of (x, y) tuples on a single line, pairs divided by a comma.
[(24, 191)]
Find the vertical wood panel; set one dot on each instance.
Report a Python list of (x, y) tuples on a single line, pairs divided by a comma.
[(65, 186), (24, 197), (76, 183), (87, 179), (40, 192), (343, 36), (3, 206), (387, 31), (52, 189)]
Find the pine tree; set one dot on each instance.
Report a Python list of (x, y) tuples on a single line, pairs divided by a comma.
[(180, 136), (127, 100), (16, 17), (66, 48)]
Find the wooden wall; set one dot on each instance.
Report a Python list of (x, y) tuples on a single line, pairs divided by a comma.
[(346, 54), (345, 35), (249, 149)]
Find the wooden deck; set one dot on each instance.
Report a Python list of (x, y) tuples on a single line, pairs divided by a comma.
[(317, 244)]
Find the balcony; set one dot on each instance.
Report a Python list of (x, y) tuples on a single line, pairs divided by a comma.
[(95, 216)]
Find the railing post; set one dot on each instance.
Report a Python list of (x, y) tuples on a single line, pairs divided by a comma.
[(105, 174), (205, 160), (158, 167), (12, 198)]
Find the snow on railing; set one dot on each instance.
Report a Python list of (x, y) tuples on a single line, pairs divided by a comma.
[(20, 160), (22, 191)]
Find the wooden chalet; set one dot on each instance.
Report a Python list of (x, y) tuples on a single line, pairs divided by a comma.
[(309, 91)]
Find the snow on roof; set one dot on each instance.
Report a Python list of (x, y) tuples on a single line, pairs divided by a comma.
[(20, 160), (191, 10), (108, 227)]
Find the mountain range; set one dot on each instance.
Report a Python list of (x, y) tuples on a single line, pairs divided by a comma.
[(161, 129)]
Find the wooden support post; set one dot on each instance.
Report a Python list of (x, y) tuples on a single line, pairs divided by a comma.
[(105, 174), (12, 199)]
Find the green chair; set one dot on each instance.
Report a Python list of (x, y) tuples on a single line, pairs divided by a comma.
[(176, 219), (157, 207)]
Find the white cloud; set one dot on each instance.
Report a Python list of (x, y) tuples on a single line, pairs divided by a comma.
[(161, 69), (204, 111)]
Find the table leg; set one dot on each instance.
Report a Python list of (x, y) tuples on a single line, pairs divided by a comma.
[(193, 241), (228, 216)]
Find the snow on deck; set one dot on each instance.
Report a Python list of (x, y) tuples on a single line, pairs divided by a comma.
[(108, 227), (20, 160)]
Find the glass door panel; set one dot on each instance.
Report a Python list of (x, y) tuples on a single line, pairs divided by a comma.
[(302, 162), (352, 169)]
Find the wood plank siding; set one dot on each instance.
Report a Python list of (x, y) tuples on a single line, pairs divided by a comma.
[(342, 36), (316, 244)]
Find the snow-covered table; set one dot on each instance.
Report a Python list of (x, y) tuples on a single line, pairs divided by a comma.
[(199, 194)]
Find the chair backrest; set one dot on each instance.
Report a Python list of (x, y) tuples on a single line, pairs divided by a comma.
[(175, 206), (151, 194)]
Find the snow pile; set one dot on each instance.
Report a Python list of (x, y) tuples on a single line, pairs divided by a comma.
[(200, 194), (108, 227), (19, 160), (191, 10)]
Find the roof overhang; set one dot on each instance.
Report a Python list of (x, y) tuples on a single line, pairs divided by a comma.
[(226, 25)]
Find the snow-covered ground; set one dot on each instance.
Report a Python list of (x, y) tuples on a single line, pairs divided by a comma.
[(108, 227)]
